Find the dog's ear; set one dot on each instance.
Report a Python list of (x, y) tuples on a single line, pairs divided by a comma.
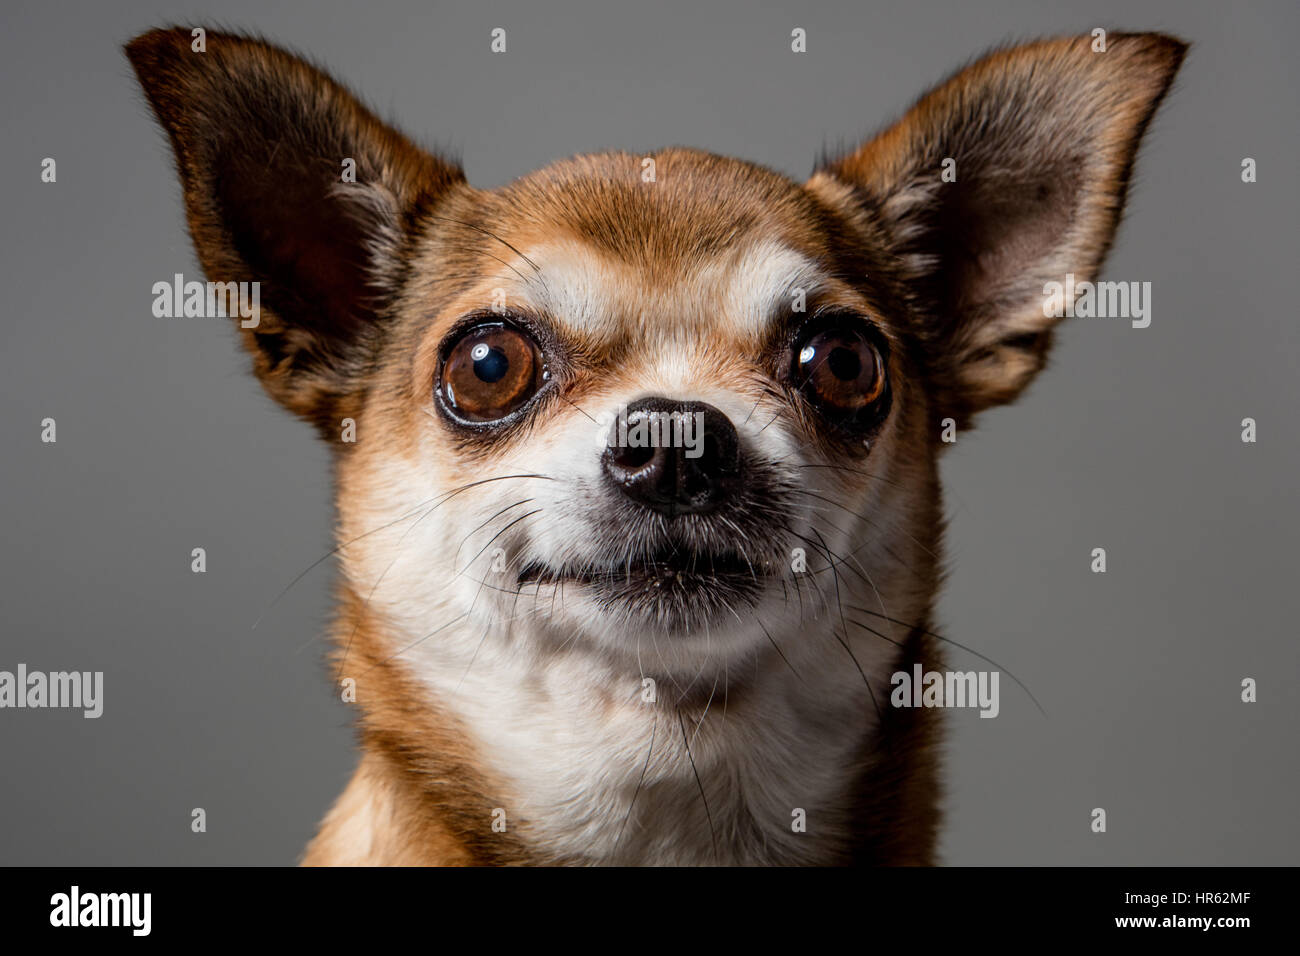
[(263, 143), (1038, 142)]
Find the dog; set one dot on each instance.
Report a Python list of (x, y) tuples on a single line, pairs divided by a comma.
[(636, 457)]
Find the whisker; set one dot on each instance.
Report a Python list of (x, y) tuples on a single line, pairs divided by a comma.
[(948, 640), (875, 590), (485, 524), (575, 405), (776, 647), (373, 588), (527, 514), (493, 235), (333, 551), (862, 517), (707, 705), (654, 728), (843, 642), (417, 643), (473, 657), (854, 471), (447, 497), (703, 799)]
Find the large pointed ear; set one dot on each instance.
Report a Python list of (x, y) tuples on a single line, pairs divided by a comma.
[(264, 145), (1038, 142)]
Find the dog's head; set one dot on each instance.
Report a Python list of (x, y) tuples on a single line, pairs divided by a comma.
[(660, 409)]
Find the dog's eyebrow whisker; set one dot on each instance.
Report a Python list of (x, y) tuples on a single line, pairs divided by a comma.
[(470, 275), (575, 405), (493, 235), (507, 265)]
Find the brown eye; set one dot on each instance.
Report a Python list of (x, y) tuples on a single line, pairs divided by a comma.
[(489, 372), (841, 372)]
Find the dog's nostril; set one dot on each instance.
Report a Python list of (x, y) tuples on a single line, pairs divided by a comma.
[(634, 458), (674, 457)]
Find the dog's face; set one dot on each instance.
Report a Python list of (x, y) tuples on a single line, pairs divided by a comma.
[(801, 348), (540, 325)]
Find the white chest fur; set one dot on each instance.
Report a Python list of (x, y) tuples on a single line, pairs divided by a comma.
[(757, 768)]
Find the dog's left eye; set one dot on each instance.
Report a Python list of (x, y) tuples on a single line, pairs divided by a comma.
[(489, 372)]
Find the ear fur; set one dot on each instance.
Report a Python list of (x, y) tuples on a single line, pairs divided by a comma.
[(1043, 137), (260, 138)]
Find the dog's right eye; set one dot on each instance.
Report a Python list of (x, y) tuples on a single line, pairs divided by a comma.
[(490, 372), (836, 365)]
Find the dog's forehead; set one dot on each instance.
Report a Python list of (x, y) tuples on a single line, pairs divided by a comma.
[(661, 204), (595, 295), (674, 241)]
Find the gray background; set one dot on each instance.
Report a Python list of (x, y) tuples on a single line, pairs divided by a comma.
[(1130, 441)]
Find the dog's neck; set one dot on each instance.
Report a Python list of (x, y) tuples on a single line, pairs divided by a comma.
[(516, 753)]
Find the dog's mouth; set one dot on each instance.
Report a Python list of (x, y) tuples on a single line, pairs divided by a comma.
[(668, 567), (675, 586)]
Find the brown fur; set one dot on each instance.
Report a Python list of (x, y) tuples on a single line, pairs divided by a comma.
[(363, 284)]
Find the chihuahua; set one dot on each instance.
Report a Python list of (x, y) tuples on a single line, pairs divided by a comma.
[(636, 457)]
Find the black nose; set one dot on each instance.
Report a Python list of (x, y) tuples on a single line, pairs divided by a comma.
[(673, 457)]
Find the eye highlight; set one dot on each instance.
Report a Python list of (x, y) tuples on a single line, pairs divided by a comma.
[(489, 372), (837, 366)]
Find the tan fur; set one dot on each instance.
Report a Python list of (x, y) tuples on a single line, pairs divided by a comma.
[(472, 705)]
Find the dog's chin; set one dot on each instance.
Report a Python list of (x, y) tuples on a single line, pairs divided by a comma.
[(673, 592)]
